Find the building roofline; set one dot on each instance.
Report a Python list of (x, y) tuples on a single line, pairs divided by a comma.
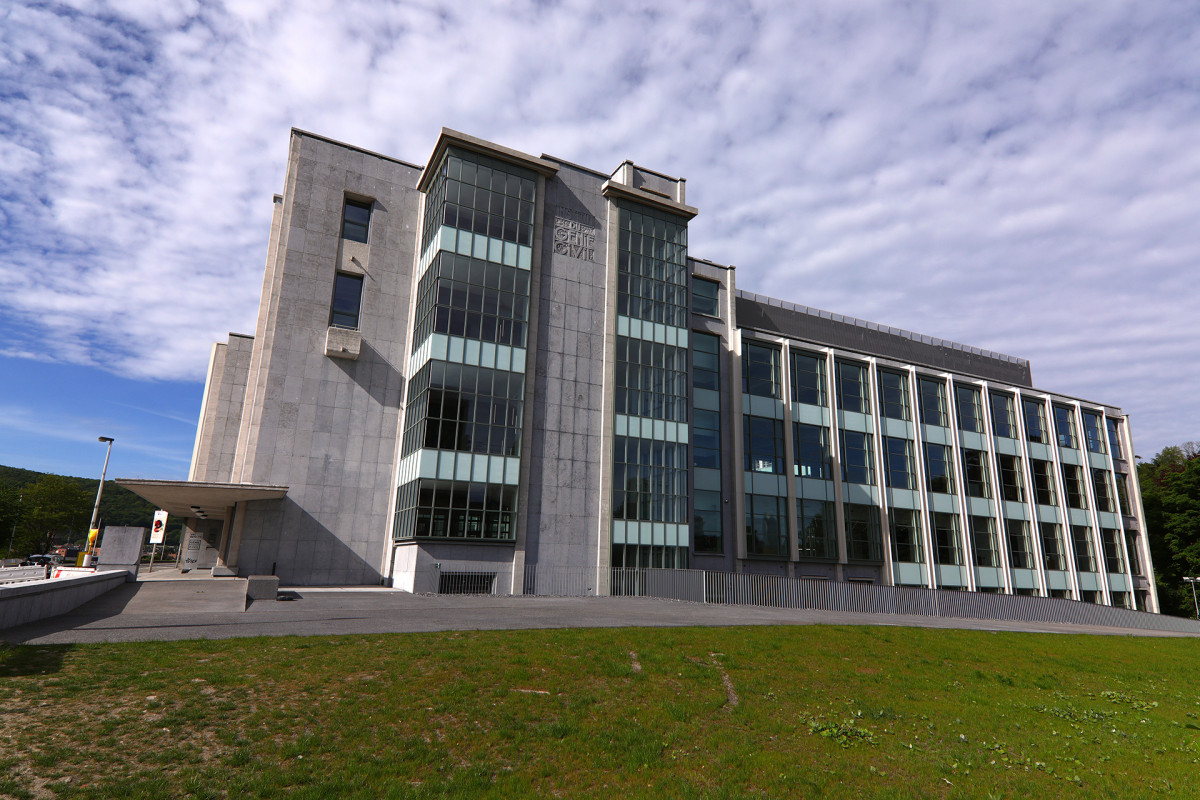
[(875, 326), (452, 138), (327, 140)]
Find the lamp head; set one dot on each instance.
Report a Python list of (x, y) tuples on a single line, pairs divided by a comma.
[(105, 439)]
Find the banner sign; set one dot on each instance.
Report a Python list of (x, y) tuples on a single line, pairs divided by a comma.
[(159, 530)]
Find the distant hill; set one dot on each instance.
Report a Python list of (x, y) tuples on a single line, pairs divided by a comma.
[(119, 507)]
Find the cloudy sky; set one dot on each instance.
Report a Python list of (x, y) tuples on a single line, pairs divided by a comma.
[(1018, 176)]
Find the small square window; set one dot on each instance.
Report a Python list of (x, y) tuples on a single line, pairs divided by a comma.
[(356, 220)]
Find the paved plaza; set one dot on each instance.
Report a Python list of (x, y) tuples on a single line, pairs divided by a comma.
[(166, 606)]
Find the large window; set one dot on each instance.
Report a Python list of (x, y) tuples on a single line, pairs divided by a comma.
[(1104, 498), (811, 443), (466, 408), (1073, 486), (906, 535), (763, 444), (706, 439), (946, 541), (440, 509), (347, 300), (1091, 432), (650, 480), (900, 469), (893, 395), (651, 379), (1010, 477), (852, 387), (480, 195), (356, 220), (706, 361), (939, 470), (705, 294), (975, 473), (808, 378), (817, 526), (1135, 556), (970, 410), (1035, 421), (1020, 548), (760, 370), (1043, 482), (652, 275), (1114, 437), (706, 521), (766, 529), (1053, 555), (473, 298), (1085, 554), (1114, 561), (983, 542), (933, 402), (863, 541), (1123, 494), (1064, 426), (858, 463), (1003, 422)]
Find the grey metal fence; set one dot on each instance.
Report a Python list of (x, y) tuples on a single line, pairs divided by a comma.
[(735, 588)]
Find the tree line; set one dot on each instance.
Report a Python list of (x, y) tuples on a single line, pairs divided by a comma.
[(1170, 484), (39, 511)]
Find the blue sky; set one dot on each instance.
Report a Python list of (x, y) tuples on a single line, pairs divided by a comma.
[(1018, 176)]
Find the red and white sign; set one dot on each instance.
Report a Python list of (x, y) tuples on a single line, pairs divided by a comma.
[(160, 527)]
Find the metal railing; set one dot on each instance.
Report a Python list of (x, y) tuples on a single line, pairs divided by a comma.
[(774, 591)]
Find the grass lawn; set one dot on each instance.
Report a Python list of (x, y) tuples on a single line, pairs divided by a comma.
[(695, 712)]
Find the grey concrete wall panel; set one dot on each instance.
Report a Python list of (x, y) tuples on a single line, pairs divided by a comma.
[(834, 333), (221, 418), (29, 602), (121, 548), (312, 415), (564, 392)]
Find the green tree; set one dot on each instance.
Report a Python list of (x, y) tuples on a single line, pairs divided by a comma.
[(54, 508), (1170, 486), (11, 506)]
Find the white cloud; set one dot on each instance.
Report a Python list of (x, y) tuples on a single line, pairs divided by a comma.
[(1020, 176)]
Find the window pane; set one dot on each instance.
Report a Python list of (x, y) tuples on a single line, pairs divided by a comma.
[(347, 295), (906, 535), (1002, 416), (760, 370), (704, 297), (898, 453), (1035, 421), (356, 219), (933, 402), (857, 463), (808, 378), (939, 473), (811, 443), (948, 547), (1064, 426), (893, 395), (852, 387), (970, 415)]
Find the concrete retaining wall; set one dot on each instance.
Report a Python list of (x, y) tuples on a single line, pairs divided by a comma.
[(29, 602)]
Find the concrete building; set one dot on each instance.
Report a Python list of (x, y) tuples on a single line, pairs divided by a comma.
[(499, 364)]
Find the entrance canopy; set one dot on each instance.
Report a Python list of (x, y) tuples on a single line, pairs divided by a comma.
[(197, 499)]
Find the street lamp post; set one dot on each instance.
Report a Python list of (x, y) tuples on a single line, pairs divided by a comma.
[(87, 558), (1193, 582)]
